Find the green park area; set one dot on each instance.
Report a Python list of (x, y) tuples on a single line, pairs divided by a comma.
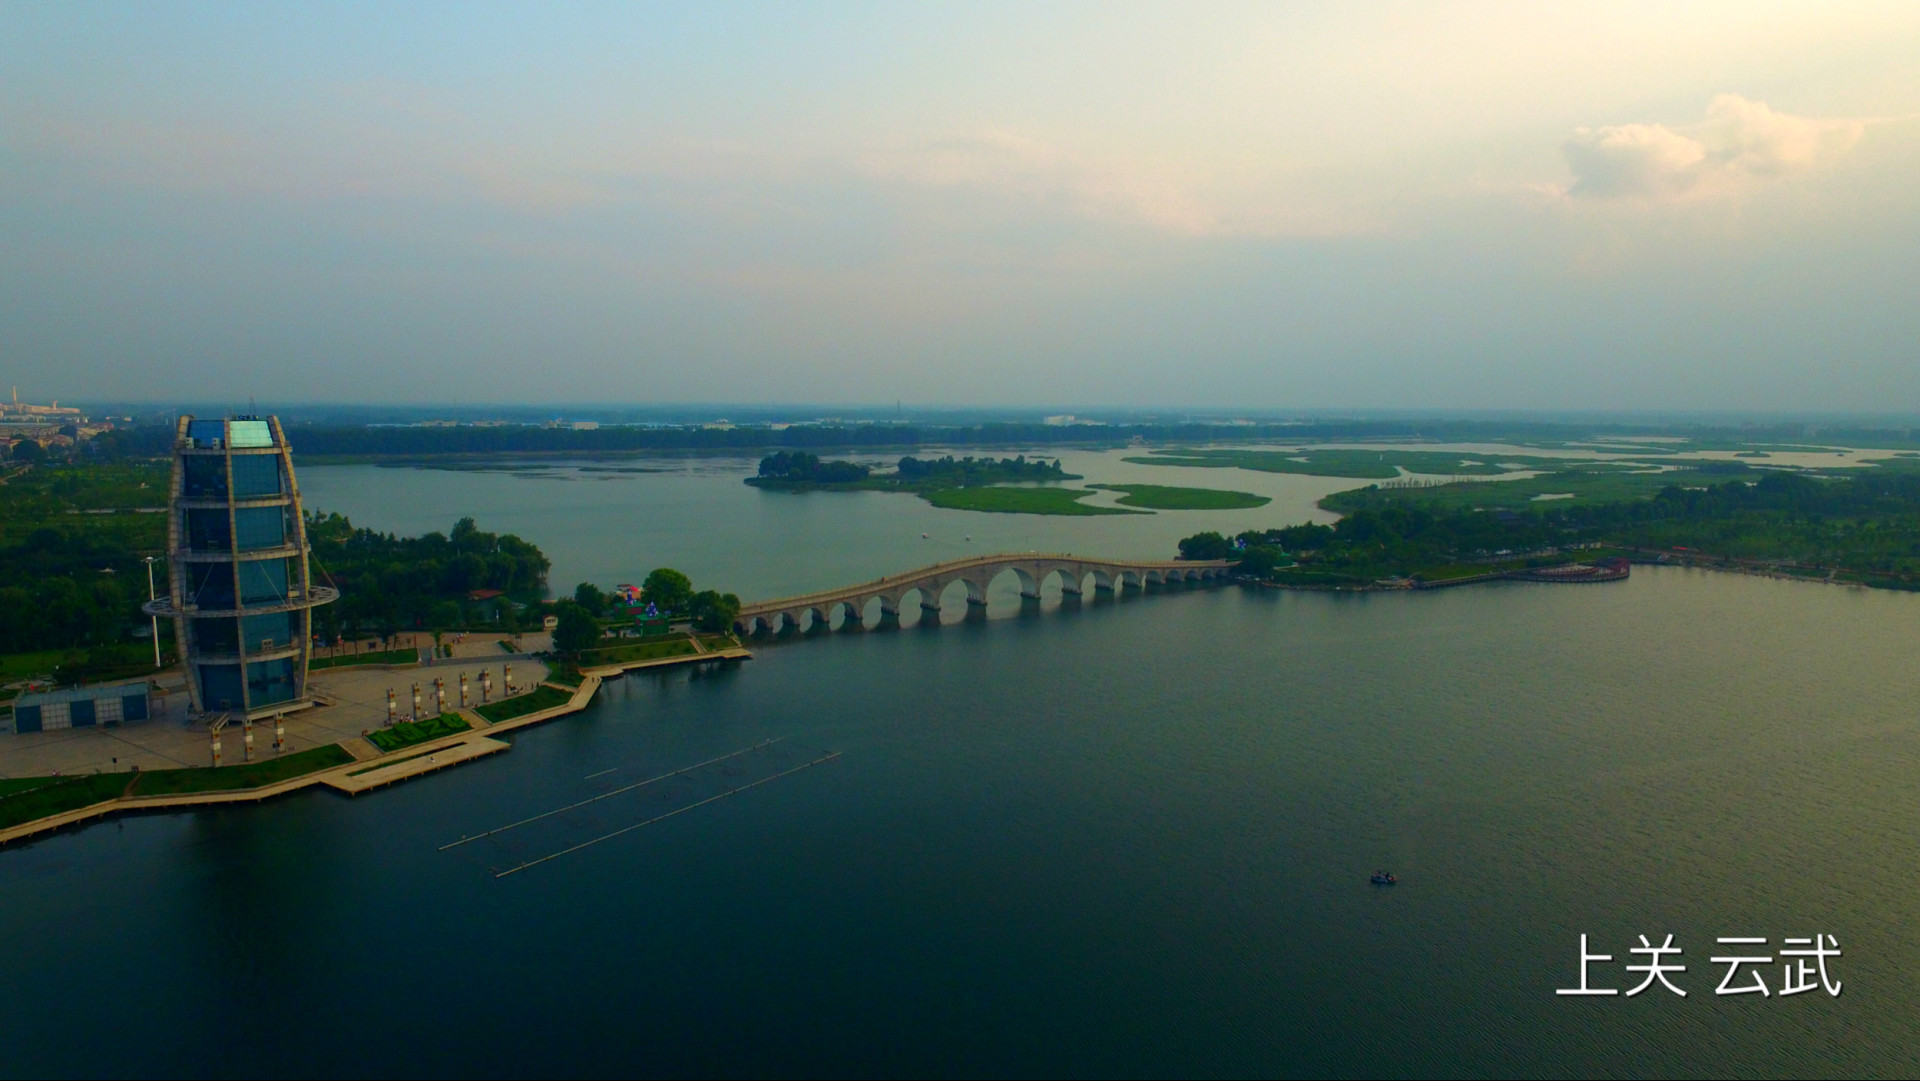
[(564, 673), (997, 500), (1856, 524), (384, 656), (27, 798), (407, 733), (1166, 497), (75, 536), (993, 485), (1571, 483), (541, 697), (799, 471), (629, 650)]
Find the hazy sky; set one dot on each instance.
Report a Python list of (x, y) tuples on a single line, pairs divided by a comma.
[(1268, 207)]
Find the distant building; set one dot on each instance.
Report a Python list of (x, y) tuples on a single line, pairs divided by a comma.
[(40, 423), (19, 412), (241, 595), (81, 707)]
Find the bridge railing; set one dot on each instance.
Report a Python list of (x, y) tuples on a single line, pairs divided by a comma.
[(1009, 559)]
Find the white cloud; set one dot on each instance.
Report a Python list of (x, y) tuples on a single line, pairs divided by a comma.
[(1015, 165), (1739, 141)]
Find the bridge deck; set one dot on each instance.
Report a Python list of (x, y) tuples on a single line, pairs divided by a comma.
[(952, 566)]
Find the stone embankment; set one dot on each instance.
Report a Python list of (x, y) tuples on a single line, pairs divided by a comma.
[(370, 768)]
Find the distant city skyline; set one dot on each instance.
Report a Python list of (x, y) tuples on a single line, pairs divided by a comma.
[(1263, 209)]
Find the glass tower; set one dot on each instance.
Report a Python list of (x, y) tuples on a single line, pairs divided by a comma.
[(240, 593)]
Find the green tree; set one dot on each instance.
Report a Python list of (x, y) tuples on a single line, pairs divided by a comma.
[(588, 596), (667, 589), (576, 629), (26, 450), (1208, 545), (712, 611), (1260, 561)]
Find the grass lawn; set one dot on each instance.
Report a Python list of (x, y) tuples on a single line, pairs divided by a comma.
[(27, 798), (564, 674), (27, 665), (542, 697), (1064, 501), (719, 641), (385, 656), (168, 782), (1578, 485), (1166, 497), (24, 799), (408, 733), (629, 649)]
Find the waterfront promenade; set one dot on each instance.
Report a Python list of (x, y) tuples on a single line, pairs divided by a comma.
[(354, 703), (353, 699)]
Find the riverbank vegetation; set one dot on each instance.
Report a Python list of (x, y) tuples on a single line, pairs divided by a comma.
[(1570, 483), (1003, 500), (629, 650), (993, 485), (24, 799), (1863, 528), (666, 592), (1164, 497), (799, 471)]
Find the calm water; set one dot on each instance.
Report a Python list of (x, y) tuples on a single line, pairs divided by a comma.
[(697, 516), (1108, 838)]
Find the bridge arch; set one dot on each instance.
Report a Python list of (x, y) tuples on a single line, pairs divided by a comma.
[(1073, 580), (976, 574)]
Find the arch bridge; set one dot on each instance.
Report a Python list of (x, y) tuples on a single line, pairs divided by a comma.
[(977, 572)]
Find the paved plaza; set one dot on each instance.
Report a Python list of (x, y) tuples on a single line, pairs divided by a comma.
[(355, 701)]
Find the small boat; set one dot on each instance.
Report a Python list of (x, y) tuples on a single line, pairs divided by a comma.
[(923, 536), (1383, 878)]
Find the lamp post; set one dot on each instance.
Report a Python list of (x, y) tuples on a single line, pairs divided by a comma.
[(150, 561)]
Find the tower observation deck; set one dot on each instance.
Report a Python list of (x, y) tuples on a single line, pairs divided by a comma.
[(240, 594)]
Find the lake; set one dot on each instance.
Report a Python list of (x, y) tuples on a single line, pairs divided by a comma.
[(1109, 837)]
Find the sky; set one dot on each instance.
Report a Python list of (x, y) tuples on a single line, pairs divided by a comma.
[(1351, 205)]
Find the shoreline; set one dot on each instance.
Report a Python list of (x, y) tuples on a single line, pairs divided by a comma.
[(364, 772)]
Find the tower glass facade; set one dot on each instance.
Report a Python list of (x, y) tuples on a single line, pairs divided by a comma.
[(241, 596)]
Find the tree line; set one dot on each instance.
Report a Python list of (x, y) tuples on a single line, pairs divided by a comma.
[(579, 619), (389, 583), (1868, 524)]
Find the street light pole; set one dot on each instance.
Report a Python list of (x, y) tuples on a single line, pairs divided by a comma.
[(156, 619)]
